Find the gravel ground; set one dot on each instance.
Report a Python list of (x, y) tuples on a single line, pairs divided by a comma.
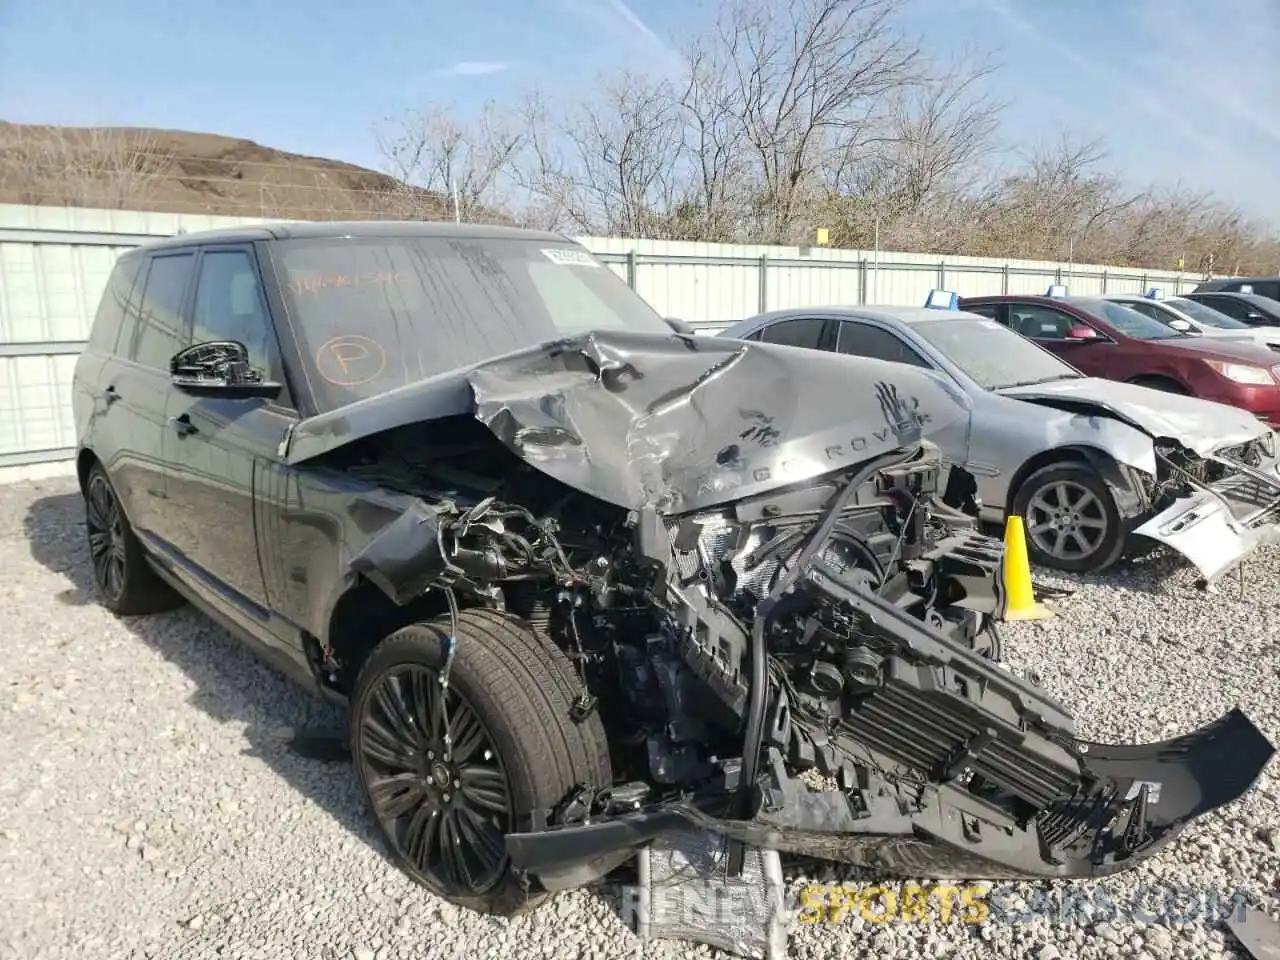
[(150, 807)]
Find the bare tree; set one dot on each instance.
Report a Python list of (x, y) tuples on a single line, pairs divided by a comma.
[(809, 80), (937, 133), (714, 148), (441, 161), (613, 166), (823, 113)]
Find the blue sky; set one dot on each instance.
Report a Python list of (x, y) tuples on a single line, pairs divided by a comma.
[(1182, 91)]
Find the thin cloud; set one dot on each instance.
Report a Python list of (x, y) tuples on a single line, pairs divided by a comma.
[(1169, 109), (632, 19), (1235, 79), (621, 19), (476, 68), (1200, 97)]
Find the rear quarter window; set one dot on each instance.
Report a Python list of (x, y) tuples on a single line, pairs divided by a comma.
[(104, 333)]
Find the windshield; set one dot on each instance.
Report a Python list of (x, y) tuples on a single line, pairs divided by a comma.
[(1128, 321), (374, 314), (1206, 315), (993, 355)]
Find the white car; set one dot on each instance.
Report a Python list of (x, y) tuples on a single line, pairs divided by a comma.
[(1188, 316)]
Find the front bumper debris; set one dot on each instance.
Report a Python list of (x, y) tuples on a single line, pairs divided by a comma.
[(1131, 801), (1220, 525)]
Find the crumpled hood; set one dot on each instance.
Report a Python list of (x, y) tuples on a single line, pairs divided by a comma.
[(1200, 425), (681, 424), (670, 422)]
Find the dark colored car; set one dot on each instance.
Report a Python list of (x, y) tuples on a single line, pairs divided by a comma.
[(585, 582), (1268, 287), (1108, 340), (1251, 308)]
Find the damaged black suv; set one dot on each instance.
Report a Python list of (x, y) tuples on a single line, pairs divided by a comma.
[(584, 580)]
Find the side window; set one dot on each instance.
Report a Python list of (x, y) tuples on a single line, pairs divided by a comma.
[(104, 334), (159, 334), (862, 340), (1040, 323), (991, 312), (1268, 288), (803, 332), (230, 306), (1155, 313), (1230, 306)]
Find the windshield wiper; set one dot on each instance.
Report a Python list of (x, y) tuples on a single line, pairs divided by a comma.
[(1032, 383)]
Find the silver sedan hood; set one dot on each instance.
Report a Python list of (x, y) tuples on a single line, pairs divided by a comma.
[(1260, 335), (1202, 426)]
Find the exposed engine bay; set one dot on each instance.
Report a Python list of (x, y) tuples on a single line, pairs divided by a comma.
[(808, 666), (654, 611), (872, 605)]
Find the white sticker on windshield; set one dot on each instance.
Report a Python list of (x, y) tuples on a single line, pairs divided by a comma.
[(568, 257), (988, 323)]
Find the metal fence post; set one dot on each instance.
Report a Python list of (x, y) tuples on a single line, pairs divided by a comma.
[(763, 268), (942, 274), (862, 280), (1004, 280), (1104, 283), (1144, 284), (631, 269)]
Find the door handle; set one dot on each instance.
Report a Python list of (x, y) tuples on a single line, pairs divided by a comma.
[(183, 425), (111, 395)]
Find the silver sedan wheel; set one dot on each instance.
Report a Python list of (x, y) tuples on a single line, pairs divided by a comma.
[(1066, 521)]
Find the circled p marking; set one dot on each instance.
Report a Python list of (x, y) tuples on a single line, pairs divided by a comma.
[(350, 360)]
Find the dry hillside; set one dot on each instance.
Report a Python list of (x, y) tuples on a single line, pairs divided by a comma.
[(179, 172)]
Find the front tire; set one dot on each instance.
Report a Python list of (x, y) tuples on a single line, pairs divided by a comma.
[(1070, 518), (124, 579), (444, 807)]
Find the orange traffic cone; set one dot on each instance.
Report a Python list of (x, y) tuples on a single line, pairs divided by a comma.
[(1019, 597)]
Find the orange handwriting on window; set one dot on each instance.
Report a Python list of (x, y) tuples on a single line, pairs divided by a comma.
[(314, 283), (350, 360)]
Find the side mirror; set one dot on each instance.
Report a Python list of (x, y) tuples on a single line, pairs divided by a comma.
[(679, 326), (1083, 332), (219, 368), (1183, 327)]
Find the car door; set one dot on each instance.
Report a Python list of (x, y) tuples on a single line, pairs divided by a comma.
[(219, 448), (862, 338), (1049, 326), (130, 434)]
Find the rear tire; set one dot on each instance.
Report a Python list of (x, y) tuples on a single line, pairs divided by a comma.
[(124, 579), (1070, 518), (515, 750)]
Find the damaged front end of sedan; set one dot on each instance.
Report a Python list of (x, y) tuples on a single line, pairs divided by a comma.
[(1215, 508), (787, 636), (1200, 478)]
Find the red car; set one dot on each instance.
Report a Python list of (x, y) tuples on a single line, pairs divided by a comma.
[(1104, 339)]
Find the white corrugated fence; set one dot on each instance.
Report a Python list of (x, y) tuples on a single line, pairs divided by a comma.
[(54, 264)]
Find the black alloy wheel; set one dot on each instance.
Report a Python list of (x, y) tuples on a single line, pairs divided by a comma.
[(126, 583), (107, 543), (436, 782)]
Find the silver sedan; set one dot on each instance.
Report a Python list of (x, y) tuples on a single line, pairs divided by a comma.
[(1087, 463)]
